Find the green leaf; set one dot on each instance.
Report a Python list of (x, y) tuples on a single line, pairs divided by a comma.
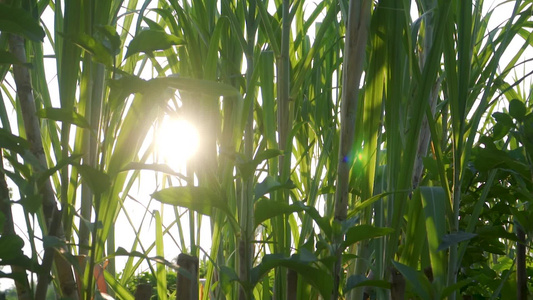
[(98, 181), (265, 209), (517, 109), (52, 242), (17, 276), (302, 264), (12, 142), (454, 238), (100, 53), (322, 222), (19, 21), (499, 131), (363, 232), (248, 167), (151, 40), (457, 286), (64, 115), (489, 158), (503, 118), (359, 206), (361, 280), (158, 259), (433, 200), (206, 87), (10, 246), (113, 39), (267, 154), (419, 282), (44, 175), (31, 203), (163, 168), (269, 185), (120, 291), (504, 263), (199, 199), (495, 232), (161, 273), (524, 218), (10, 59), (229, 273)]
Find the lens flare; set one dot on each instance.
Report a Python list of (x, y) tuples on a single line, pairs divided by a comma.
[(177, 142)]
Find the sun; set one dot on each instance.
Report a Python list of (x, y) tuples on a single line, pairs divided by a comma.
[(177, 142)]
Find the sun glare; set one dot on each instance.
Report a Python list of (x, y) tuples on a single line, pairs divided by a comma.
[(177, 141)]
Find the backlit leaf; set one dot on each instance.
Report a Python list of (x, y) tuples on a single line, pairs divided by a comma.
[(454, 238), (18, 21), (98, 181), (199, 199), (10, 246), (318, 278), (99, 52), (517, 109), (419, 282), (151, 40), (269, 185), (63, 115), (10, 59), (265, 209), (361, 280), (363, 232), (12, 142)]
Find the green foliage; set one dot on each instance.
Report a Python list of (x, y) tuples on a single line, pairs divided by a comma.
[(18, 21), (149, 278), (429, 167)]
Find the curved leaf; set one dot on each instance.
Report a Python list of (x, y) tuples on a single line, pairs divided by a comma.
[(361, 280), (13, 142), (97, 49), (64, 115), (322, 222), (10, 59), (265, 209), (19, 21), (248, 167), (517, 109), (150, 40), (10, 246), (419, 282), (269, 185), (207, 87), (454, 238), (98, 181), (300, 263), (363, 232), (199, 199)]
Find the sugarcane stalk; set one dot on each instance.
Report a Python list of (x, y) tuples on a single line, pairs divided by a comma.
[(354, 57)]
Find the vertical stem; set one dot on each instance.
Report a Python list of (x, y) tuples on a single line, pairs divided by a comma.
[(86, 193), (245, 246), (521, 275), (187, 285), (354, 57), (292, 285), (283, 83), (281, 233), (23, 291), (33, 134), (31, 122)]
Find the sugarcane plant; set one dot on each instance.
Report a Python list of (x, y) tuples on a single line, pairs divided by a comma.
[(348, 149)]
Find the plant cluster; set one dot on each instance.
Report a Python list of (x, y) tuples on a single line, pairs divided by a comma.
[(348, 148)]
